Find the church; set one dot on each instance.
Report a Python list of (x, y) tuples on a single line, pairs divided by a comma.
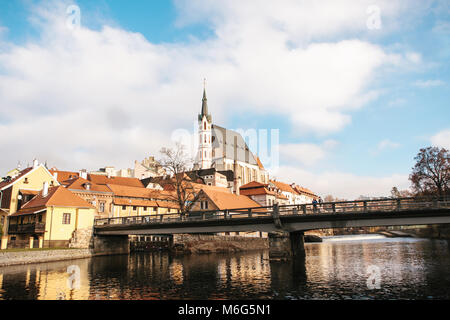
[(226, 150)]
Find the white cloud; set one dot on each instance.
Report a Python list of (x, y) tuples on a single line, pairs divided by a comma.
[(86, 98), (428, 83), (343, 184), (305, 154), (384, 145), (442, 139)]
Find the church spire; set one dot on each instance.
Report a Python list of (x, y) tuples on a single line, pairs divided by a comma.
[(204, 104)]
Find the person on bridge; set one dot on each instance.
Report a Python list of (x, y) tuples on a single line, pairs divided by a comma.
[(314, 202)]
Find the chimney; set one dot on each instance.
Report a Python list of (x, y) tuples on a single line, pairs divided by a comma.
[(55, 175), (83, 174), (45, 189), (35, 163), (87, 186)]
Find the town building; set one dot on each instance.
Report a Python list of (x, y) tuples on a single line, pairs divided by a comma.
[(264, 194), (99, 196), (18, 189), (225, 149), (49, 219)]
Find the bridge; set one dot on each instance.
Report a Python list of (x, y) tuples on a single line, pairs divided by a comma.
[(285, 224)]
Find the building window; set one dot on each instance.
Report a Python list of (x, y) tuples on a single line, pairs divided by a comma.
[(25, 181), (145, 208), (124, 207), (204, 126), (66, 218), (101, 206), (134, 208), (204, 205)]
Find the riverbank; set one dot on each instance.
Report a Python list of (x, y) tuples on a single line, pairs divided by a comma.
[(20, 257)]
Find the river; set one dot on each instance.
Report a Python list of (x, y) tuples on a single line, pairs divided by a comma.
[(345, 267)]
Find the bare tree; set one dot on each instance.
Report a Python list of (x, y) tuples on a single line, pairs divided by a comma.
[(431, 173), (176, 162), (395, 193)]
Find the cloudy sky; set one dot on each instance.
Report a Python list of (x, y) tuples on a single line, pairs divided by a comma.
[(351, 89)]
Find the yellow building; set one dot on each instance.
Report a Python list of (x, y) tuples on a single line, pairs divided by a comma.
[(50, 219), (18, 189)]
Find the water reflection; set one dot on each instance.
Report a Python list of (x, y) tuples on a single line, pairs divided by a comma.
[(410, 269)]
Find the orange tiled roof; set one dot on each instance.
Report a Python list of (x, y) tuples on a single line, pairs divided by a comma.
[(225, 200), (301, 190), (5, 184), (79, 184), (58, 197), (260, 165), (64, 175), (253, 184), (133, 192), (122, 181), (135, 202), (168, 205), (283, 186)]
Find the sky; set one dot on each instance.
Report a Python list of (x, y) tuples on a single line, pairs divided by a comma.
[(341, 94)]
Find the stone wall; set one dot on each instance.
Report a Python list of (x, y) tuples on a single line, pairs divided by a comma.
[(201, 243), (82, 239), (38, 256)]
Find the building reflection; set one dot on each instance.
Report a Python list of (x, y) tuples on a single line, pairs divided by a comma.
[(46, 281)]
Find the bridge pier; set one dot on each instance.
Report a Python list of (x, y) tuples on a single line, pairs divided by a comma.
[(286, 245), (109, 245)]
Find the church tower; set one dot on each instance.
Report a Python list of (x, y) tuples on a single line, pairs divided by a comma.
[(205, 136)]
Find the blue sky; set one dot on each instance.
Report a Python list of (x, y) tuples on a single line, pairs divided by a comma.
[(353, 105)]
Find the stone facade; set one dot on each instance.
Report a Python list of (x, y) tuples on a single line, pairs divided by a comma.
[(201, 243), (82, 239)]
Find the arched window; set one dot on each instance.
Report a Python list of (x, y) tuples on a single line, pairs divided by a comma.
[(204, 125)]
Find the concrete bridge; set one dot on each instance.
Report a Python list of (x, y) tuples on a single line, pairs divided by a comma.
[(285, 224)]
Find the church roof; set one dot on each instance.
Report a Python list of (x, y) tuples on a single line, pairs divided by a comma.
[(226, 142), (204, 108)]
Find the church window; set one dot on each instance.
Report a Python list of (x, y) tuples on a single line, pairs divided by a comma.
[(204, 125)]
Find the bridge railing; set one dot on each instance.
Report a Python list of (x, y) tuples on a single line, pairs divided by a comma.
[(358, 206)]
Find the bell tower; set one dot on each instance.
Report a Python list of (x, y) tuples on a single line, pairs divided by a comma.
[(204, 155)]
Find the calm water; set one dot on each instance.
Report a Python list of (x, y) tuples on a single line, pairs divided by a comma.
[(338, 268)]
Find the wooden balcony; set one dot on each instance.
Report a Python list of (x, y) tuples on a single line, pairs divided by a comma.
[(26, 228)]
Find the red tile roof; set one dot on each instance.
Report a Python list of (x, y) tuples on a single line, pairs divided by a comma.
[(283, 186), (80, 184), (226, 200), (122, 181), (63, 176), (58, 197)]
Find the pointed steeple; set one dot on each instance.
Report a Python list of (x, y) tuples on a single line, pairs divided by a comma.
[(204, 105)]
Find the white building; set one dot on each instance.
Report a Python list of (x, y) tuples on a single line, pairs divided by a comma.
[(224, 149)]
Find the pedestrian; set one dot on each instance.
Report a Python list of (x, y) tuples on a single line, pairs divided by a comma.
[(314, 202)]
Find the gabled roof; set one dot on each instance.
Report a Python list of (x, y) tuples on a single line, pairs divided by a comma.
[(143, 193), (5, 184), (283, 186), (226, 200), (224, 145), (253, 184), (57, 197), (122, 181)]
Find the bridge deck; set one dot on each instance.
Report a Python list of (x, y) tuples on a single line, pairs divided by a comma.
[(290, 217)]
